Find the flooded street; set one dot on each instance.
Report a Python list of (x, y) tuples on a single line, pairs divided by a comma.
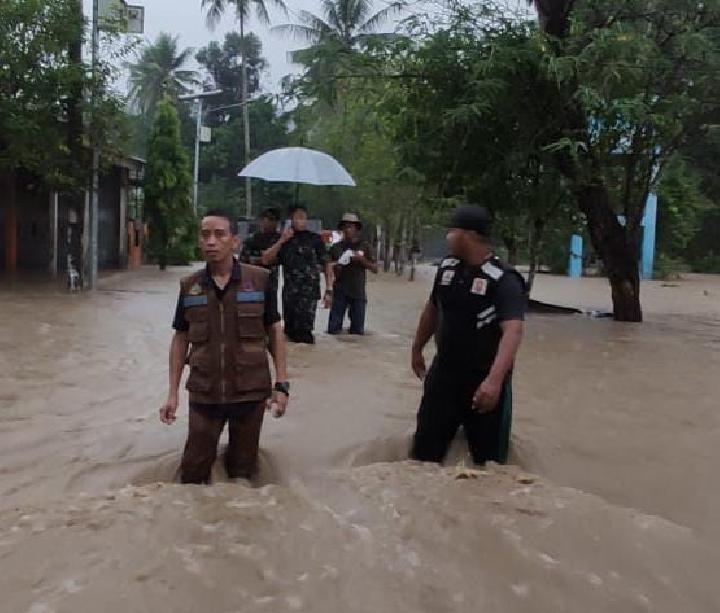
[(612, 506)]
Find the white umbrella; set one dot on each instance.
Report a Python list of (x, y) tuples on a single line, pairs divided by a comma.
[(298, 165)]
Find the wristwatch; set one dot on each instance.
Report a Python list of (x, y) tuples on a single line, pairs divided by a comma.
[(283, 386)]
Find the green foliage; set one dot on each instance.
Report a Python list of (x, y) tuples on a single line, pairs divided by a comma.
[(681, 206), (167, 191), (42, 82), (221, 160), (223, 63), (159, 72), (345, 29)]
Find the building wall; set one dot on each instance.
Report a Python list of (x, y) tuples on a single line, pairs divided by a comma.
[(109, 219), (33, 229)]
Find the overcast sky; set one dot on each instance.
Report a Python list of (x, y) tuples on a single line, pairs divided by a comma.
[(186, 19)]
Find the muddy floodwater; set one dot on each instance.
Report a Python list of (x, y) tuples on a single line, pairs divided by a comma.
[(612, 502)]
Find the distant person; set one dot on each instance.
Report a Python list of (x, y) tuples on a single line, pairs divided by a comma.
[(262, 240), (476, 313), (302, 254), (227, 316), (352, 257)]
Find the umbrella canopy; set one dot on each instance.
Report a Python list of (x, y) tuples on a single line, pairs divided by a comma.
[(298, 165)]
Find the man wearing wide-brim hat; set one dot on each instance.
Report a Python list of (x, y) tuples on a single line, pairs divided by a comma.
[(352, 258)]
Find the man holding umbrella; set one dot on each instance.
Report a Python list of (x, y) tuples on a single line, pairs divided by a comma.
[(302, 253), (352, 258)]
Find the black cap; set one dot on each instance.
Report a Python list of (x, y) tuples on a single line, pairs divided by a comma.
[(472, 217)]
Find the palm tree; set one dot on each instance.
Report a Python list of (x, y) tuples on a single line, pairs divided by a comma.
[(334, 39), (345, 21), (159, 72), (215, 9)]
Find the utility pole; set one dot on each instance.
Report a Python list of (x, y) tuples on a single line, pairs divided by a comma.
[(246, 129), (196, 170), (199, 97), (91, 253)]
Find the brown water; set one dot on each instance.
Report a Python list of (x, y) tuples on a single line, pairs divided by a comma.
[(619, 421)]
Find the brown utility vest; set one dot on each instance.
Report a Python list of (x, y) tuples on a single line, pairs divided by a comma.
[(228, 341)]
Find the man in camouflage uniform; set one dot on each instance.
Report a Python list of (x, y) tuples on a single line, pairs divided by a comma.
[(254, 246), (302, 253)]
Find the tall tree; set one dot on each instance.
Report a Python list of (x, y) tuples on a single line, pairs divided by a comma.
[(638, 79), (243, 10), (345, 21), (223, 63), (167, 190), (335, 39), (160, 71)]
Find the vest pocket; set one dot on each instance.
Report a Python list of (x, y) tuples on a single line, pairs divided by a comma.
[(252, 372), (200, 379), (250, 324), (198, 332)]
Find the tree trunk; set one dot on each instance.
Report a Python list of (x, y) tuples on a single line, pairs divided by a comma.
[(512, 249), (386, 248), (402, 255), (618, 248), (536, 231)]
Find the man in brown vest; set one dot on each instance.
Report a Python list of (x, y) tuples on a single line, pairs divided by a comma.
[(227, 317)]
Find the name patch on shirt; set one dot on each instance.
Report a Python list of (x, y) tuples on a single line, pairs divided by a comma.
[(447, 277), (492, 271), (479, 286), (449, 262), (191, 301), (250, 297)]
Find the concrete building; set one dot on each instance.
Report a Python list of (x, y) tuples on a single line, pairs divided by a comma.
[(47, 227)]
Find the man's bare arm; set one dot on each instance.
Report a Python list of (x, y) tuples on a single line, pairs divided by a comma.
[(425, 330), (278, 350), (270, 256), (487, 395), (276, 338), (512, 334), (178, 355)]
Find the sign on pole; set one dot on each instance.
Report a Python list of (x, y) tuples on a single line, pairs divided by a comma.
[(118, 14), (205, 135)]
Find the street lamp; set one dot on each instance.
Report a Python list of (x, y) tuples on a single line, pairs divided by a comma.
[(200, 97)]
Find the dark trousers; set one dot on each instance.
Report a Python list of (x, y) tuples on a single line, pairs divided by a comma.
[(299, 313), (342, 304), (446, 405), (206, 426)]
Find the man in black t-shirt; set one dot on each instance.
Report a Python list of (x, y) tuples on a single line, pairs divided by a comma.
[(268, 235), (352, 258), (476, 313)]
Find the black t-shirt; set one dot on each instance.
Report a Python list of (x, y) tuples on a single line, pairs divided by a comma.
[(351, 278), (253, 249), (472, 302)]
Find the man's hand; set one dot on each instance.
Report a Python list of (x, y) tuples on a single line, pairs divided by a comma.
[(418, 364), (279, 401), (487, 396), (287, 235), (327, 300), (169, 409)]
